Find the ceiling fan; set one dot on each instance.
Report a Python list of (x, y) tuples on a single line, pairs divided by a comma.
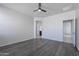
[(39, 8)]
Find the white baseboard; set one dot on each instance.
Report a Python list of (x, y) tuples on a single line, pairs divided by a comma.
[(13, 42)]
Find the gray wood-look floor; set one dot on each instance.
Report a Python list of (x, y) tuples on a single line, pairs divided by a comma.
[(39, 47)]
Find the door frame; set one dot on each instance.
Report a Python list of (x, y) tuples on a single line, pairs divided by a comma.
[(71, 21), (74, 31), (35, 27)]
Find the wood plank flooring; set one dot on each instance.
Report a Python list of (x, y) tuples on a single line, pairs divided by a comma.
[(39, 47)]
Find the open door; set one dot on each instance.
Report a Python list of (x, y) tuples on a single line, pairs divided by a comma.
[(67, 26), (69, 29), (38, 29)]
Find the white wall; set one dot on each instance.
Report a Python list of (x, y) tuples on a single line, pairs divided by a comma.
[(14, 27), (77, 18), (53, 25)]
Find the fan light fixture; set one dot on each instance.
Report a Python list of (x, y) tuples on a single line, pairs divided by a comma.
[(39, 8)]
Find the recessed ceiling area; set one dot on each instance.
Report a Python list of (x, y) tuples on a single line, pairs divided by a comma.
[(51, 8)]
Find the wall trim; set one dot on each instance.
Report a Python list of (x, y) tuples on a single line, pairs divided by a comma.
[(15, 43)]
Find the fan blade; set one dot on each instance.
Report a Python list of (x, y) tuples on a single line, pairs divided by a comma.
[(43, 10), (35, 10)]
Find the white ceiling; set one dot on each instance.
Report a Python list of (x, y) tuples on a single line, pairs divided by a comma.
[(52, 8)]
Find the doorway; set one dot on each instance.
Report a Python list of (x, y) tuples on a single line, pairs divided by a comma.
[(38, 29), (68, 31)]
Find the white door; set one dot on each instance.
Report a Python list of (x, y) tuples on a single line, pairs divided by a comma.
[(67, 27)]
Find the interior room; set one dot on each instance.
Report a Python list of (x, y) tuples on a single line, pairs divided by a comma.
[(39, 29)]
